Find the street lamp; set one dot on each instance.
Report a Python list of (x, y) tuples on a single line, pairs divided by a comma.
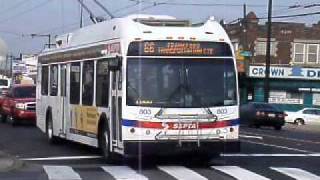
[(43, 35)]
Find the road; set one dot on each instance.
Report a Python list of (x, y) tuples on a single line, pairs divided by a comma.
[(292, 153)]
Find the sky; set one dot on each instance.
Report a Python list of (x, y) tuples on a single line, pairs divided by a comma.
[(21, 18)]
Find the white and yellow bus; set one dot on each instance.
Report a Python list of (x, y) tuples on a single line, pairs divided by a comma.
[(141, 84)]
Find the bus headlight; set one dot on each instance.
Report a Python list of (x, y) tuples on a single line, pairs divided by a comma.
[(20, 106)]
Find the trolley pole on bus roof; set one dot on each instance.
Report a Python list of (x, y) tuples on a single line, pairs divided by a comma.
[(268, 56)]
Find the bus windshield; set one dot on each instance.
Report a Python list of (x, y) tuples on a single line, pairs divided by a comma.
[(181, 82)]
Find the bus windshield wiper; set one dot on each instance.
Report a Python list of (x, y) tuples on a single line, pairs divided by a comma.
[(204, 106), (187, 89), (134, 90), (172, 95)]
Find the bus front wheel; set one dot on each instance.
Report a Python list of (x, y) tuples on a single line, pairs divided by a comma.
[(104, 142)]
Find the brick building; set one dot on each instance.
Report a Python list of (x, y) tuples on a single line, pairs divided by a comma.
[(295, 61)]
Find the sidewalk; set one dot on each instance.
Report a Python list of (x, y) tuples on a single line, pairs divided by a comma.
[(9, 163)]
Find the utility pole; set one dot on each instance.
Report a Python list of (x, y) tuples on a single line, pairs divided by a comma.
[(245, 28), (268, 57), (81, 14)]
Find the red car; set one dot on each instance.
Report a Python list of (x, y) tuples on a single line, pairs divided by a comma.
[(19, 104)]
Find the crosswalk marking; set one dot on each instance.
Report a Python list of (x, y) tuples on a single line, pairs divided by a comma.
[(123, 172), (177, 172), (61, 173), (297, 173), (239, 173), (181, 173)]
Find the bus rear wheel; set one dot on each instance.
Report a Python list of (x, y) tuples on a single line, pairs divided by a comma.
[(49, 130), (104, 142)]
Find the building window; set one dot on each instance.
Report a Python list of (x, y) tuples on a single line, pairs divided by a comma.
[(312, 53), (261, 48), (54, 80), (102, 88), (87, 83), (299, 53), (44, 80), (75, 83)]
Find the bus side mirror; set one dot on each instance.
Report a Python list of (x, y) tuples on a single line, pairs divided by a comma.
[(115, 63)]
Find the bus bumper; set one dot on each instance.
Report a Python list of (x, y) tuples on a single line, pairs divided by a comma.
[(172, 147)]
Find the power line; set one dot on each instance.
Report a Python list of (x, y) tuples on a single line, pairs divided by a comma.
[(280, 17), (104, 8), (127, 7), (293, 15), (11, 33), (26, 11), (154, 4), (14, 6), (57, 29), (295, 7), (206, 4)]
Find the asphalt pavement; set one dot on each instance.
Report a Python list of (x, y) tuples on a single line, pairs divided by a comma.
[(292, 153)]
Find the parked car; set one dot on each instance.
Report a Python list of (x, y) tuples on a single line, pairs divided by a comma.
[(304, 116), (262, 114), (19, 104), (3, 94)]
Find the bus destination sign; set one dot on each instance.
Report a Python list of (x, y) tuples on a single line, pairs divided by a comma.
[(179, 48)]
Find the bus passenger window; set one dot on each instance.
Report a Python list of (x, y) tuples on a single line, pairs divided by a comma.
[(44, 80), (102, 88), (75, 83), (54, 80), (87, 83)]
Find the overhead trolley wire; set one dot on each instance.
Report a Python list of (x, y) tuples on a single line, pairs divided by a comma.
[(16, 5), (25, 11)]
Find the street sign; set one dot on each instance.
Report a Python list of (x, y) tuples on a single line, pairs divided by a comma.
[(246, 53)]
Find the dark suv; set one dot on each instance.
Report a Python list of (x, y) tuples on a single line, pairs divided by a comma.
[(262, 114)]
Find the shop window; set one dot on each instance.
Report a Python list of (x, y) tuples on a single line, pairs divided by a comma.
[(312, 53), (298, 53), (44, 80), (54, 80), (316, 99), (87, 83), (75, 83), (102, 87), (284, 97)]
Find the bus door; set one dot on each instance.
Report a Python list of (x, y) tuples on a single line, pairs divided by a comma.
[(115, 108), (63, 96)]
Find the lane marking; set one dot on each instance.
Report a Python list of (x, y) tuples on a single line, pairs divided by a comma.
[(61, 173), (61, 158), (280, 147), (123, 172), (271, 155), (181, 173), (252, 137), (297, 173), (239, 173), (281, 137)]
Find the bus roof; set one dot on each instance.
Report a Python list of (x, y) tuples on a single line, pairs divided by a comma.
[(138, 27)]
